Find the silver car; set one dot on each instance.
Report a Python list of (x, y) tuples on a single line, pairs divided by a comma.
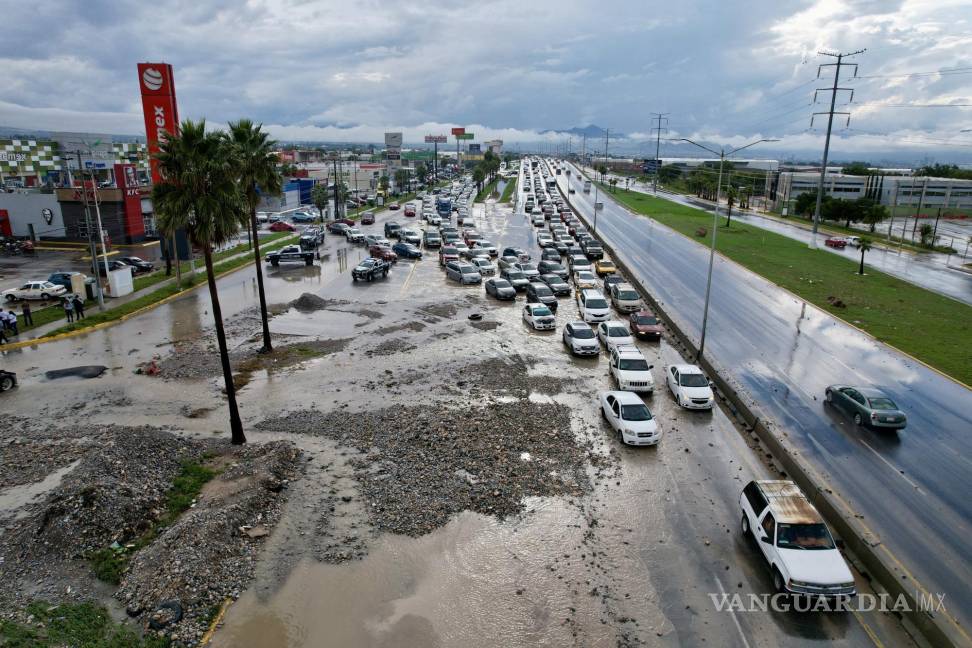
[(464, 273)]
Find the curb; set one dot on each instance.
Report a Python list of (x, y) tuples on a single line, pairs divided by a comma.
[(206, 638), (877, 560), (103, 325)]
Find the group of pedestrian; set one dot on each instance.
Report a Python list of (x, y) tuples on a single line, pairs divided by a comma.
[(73, 308), (8, 323)]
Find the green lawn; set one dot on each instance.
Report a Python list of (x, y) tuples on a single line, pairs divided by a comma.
[(85, 625), (929, 326), (509, 190), (487, 191)]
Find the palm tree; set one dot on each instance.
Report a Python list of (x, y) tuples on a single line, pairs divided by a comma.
[(257, 173), (199, 193), (865, 246), (614, 184), (730, 200)]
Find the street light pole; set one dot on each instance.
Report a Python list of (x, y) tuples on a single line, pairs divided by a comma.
[(723, 154)]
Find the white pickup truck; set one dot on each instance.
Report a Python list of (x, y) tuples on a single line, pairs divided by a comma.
[(796, 543)]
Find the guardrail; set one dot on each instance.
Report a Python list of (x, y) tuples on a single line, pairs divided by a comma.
[(873, 559)]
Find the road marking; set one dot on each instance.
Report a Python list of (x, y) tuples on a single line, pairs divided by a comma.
[(733, 613), (867, 629), (890, 465), (408, 279)]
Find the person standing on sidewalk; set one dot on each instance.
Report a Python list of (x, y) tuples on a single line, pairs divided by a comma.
[(78, 307), (28, 316), (69, 309), (12, 321)]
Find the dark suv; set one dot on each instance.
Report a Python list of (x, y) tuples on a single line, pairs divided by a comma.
[(392, 229), (540, 293)]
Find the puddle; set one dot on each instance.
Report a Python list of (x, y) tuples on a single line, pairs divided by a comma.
[(15, 499), (323, 323)]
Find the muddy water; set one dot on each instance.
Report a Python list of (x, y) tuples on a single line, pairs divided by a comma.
[(475, 582), (14, 500)]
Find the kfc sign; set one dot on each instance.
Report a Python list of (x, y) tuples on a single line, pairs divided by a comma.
[(158, 107)]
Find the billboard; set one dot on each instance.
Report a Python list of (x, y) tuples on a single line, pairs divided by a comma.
[(436, 139), (465, 136), (393, 140), (127, 180), (393, 155), (159, 108), (474, 148), (458, 131)]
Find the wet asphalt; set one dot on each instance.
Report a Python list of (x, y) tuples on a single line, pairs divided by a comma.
[(909, 487), (632, 563)]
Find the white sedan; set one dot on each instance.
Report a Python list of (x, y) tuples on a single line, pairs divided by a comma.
[(614, 333), (580, 339), (689, 386), (628, 415), (43, 290), (539, 317)]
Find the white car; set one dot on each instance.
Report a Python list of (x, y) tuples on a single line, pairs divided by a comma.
[(631, 370), (585, 280), (485, 266), (374, 239), (43, 290), (689, 386), (628, 415), (539, 317), (487, 246), (354, 235), (625, 298), (461, 248), (580, 339), (593, 307), (544, 239), (613, 333), (794, 540)]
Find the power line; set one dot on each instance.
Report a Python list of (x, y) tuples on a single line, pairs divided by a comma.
[(878, 104), (945, 72)]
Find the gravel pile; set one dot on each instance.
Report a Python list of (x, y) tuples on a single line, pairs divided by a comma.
[(390, 347), (309, 302), (29, 460), (421, 465), (210, 553)]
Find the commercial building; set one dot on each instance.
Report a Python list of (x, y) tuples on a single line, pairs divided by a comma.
[(54, 162), (889, 190), (688, 164)]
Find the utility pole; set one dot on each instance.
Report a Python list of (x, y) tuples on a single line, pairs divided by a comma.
[(830, 123), (337, 192), (584, 150), (658, 129), (606, 132), (91, 244)]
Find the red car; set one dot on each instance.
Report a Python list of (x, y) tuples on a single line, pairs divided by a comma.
[(645, 325), (447, 253), (409, 210), (368, 218), (281, 226), (383, 252), (346, 221), (836, 242), (394, 206), (472, 235)]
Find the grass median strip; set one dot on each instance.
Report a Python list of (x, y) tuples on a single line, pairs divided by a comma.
[(508, 190), (924, 324), (94, 317), (487, 191)]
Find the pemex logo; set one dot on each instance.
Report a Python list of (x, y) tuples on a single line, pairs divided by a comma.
[(152, 78)]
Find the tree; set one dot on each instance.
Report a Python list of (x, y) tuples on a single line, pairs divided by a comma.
[(857, 168), (383, 182), (731, 195), (669, 173), (320, 196), (199, 193), (873, 213), (287, 169), (421, 172), (614, 184), (479, 175), (401, 180), (256, 171), (865, 246), (925, 232), (944, 171)]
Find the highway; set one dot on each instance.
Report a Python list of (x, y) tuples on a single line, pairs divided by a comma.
[(911, 488)]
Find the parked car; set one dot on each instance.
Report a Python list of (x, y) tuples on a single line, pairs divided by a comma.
[(613, 333), (485, 266), (517, 279), (8, 380), (645, 326), (43, 290), (604, 267), (610, 281), (290, 254), (689, 386), (140, 265), (370, 269), (519, 253), (867, 406), (368, 218), (411, 236), (464, 273), (354, 235), (625, 298), (593, 307), (793, 538), (113, 264), (585, 280), (578, 262), (836, 242), (580, 339), (406, 250), (630, 418), (374, 239), (556, 284), (489, 248), (553, 267), (447, 254), (62, 278), (539, 292), (539, 317), (392, 229), (500, 289), (528, 269), (337, 227), (303, 217), (383, 252), (630, 369), (431, 240), (549, 254), (282, 226)]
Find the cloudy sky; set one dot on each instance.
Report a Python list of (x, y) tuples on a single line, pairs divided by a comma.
[(725, 71)]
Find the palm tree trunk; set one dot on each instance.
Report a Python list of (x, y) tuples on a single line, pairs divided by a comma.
[(861, 271), (236, 425), (178, 262), (729, 215), (267, 346)]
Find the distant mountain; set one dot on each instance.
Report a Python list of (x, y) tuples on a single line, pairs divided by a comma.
[(590, 131)]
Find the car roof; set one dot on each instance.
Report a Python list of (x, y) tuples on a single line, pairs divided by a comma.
[(687, 369), (628, 350), (626, 397), (578, 323), (870, 392), (591, 292), (788, 503)]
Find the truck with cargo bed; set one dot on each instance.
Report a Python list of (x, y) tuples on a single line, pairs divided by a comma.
[(290, 254)]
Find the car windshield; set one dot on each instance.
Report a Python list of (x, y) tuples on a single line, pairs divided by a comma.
[(882, 403), (646, 320), (637, 412), (527, 267), (515, 275), (583, 333), (540, 311), (627, 294), (468, 269), (450, 250), (633, 364), (692, 380), (596, 303), (617, 331), (803, 536), (585, 276), (502, 283)]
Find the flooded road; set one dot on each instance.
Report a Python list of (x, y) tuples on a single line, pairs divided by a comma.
[(631, 558)]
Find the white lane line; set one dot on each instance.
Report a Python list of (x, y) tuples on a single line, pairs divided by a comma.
[(733, 613), (892, 467)]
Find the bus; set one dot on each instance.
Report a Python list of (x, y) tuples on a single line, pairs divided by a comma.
[(443, 205)]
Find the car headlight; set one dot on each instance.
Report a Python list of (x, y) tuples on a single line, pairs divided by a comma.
[(796, 583)]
